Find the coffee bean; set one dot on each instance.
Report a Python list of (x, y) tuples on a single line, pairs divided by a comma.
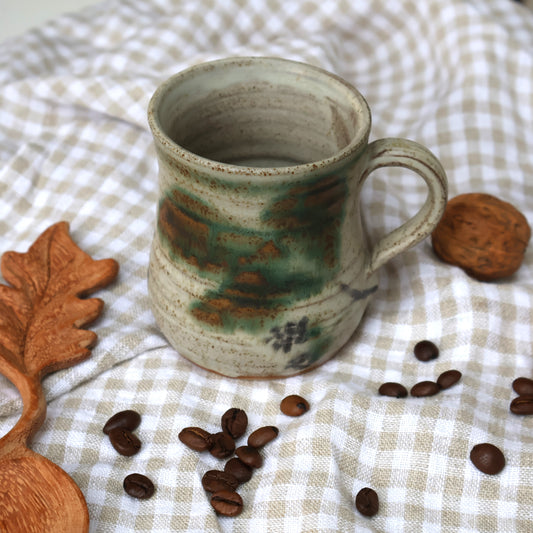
[(127, 419), (448, 378), (294, 405), (249, 456), (425, 388), (227, 503), (487, 458), (215, 480), (234, 422), (367, 502), (197, 439), (425, 351), (124, 441), (522, 405), (237, 468), (523, 386), (138, 486), (262, 436), (222, 445), (395, 390)]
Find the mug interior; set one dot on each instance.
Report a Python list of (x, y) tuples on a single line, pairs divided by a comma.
[(260, 112)]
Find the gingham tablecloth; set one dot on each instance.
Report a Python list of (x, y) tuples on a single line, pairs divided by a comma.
[(454, 75)]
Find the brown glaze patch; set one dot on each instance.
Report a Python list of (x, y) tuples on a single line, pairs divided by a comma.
[(221, 304), (266, 253), (212, 318), (322, 184), (216, 310), (251, 278), (330, 244), (285, 204), (179, 227), (330, 192), (213, 267), (198, 208), (187, 237), (250, 311), (240, 293), (309, 206)]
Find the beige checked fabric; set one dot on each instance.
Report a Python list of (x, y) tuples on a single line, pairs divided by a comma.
[(454, 75)]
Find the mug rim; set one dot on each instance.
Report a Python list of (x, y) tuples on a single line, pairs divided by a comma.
[(201, 163)]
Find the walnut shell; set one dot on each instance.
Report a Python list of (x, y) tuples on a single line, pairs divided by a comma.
[(483, 235)]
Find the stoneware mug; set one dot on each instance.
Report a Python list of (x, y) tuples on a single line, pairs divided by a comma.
[(259, 265)]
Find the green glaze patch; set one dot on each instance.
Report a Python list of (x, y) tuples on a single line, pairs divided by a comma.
[(312, 215), (258, 273)]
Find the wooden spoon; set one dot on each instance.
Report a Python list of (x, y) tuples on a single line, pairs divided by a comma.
[(41, 314), (35, 494)]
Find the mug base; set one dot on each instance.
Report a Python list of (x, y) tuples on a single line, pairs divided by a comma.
[(265, 378)]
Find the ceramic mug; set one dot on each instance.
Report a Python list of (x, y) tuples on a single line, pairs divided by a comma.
[(259, 265)]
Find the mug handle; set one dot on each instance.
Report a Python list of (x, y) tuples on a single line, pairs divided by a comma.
[(393, 152)]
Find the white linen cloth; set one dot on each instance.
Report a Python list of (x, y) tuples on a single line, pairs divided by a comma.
[(454, 75)]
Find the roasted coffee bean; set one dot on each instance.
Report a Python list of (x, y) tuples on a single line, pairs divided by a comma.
[(222, 445), (124, 441), (127, 419), (262, 436), (448, 378), (249, 456), (523, 386), (522, 405), (487, 458), (425, 351), (395, 390), (294, 405), (425, 388), (234, 422), (238, 469), (138, 486), (367, 502), (197, 439), (215, 480), (227, 503)]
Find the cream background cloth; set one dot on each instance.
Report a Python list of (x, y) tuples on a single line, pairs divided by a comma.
[(455, 75)]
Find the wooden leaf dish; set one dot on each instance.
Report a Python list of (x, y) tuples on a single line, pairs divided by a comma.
[(41, 313)]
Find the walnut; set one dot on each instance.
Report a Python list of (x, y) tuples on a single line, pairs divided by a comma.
[(483, 235)]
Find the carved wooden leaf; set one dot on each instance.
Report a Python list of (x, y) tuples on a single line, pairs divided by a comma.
[(43, 309)]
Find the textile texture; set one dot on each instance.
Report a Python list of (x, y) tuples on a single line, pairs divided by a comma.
[(454, 75)]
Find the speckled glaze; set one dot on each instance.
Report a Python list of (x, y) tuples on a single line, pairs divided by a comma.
[(259, 266)]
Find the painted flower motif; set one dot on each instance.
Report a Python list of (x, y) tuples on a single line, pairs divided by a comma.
[(301, 361), (356, 294), (283, 338)]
